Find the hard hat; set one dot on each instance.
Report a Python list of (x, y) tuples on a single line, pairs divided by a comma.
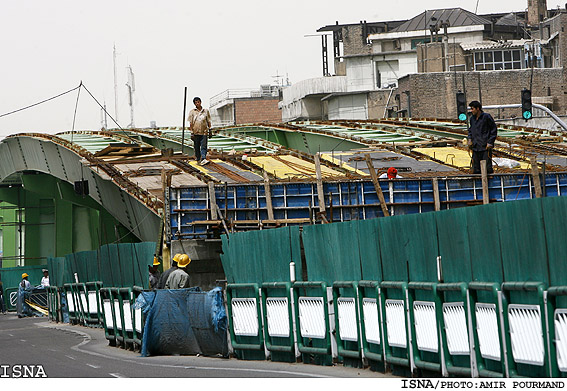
[(183, 260), (24, 275), (45, 270), (176, 257), (156, 261), (392, 173)]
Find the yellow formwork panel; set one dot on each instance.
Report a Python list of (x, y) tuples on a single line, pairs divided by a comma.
[(341, 163), (284, 166), (203, 169), (455, 157)]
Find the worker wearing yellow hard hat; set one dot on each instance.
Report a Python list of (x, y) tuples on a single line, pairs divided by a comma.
[(179, 279), (165, 275), (153, 272)]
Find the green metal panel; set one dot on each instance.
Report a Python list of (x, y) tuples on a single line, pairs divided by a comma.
[(522, 233), (484, 242), (454, 245), (555, 216), (369, 248), (261, 256), (331, 252), (12, 276), (409, 249)]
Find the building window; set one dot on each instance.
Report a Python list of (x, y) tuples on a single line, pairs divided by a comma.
[(498, 60)]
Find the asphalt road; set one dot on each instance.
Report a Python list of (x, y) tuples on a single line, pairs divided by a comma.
[(66, 351)]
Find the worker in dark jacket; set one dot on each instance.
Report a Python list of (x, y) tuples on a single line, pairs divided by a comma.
[(482, 136)]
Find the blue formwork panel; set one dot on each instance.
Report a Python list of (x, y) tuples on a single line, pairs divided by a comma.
[(516, 187), (350, 200)]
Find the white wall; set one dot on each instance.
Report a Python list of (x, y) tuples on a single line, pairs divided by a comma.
[(348, 107)]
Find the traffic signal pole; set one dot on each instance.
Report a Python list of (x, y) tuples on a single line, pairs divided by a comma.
[(514, 106)]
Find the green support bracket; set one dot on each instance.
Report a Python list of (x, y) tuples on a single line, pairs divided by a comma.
[(259, 345), (418, 355), (374, 288), (452, 368), (285, 287), (321, 289), (484, 364), (341, 346), (553, 293), (526, 369), (393, 354)]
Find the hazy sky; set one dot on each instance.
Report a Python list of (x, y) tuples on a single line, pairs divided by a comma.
[(49, 47)]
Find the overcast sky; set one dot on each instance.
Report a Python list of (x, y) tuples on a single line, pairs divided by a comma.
[(49, 47)]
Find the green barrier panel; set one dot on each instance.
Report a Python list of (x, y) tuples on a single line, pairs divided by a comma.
[(393, 294), (557, 326), (369, 248), (555, 216), (94, 313), (139, 321), (54, 303), (245, 335), (455, 319), (493, 362), (11, 298), (319, 297), (109, 318), (80, 292), (126, 302), (347, 332), (424, 325), (372, 332), (72, 304), (527, 363), (278, 320), (118, 317)]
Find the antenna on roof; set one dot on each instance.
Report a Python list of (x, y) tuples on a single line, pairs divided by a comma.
[(476, 9), (131, 89)]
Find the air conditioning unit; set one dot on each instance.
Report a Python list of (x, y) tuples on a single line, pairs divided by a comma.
[(397, 44)]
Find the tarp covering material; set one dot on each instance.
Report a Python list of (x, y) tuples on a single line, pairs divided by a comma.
[(183, 321)]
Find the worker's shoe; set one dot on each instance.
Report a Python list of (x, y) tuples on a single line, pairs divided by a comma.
[(203, 162)]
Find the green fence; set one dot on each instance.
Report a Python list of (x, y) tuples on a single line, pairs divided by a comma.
[(116, 265), (513, 251)]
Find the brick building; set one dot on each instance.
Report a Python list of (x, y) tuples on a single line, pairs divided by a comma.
[(244, 106)]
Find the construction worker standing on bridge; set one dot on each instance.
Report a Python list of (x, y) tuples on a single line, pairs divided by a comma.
[(199, 124), (482, 136)]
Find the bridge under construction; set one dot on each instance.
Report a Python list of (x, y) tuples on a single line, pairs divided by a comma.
[(75, 191)]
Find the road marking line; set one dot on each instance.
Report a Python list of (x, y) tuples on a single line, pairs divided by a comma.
[(71, 357), (117, 375), (93, 366)]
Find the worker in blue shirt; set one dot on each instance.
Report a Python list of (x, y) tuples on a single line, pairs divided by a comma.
[(481, 138)]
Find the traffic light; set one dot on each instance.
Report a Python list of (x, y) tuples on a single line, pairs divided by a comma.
[(526, 104), (461, 106)]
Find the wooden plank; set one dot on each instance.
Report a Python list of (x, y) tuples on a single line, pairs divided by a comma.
[(213, 200), (320, 195), (436, 198), (377, 187), (535, 176), (484, 173), (268, 194)]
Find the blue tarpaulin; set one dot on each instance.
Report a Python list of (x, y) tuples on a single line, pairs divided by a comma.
[(183, 321)]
